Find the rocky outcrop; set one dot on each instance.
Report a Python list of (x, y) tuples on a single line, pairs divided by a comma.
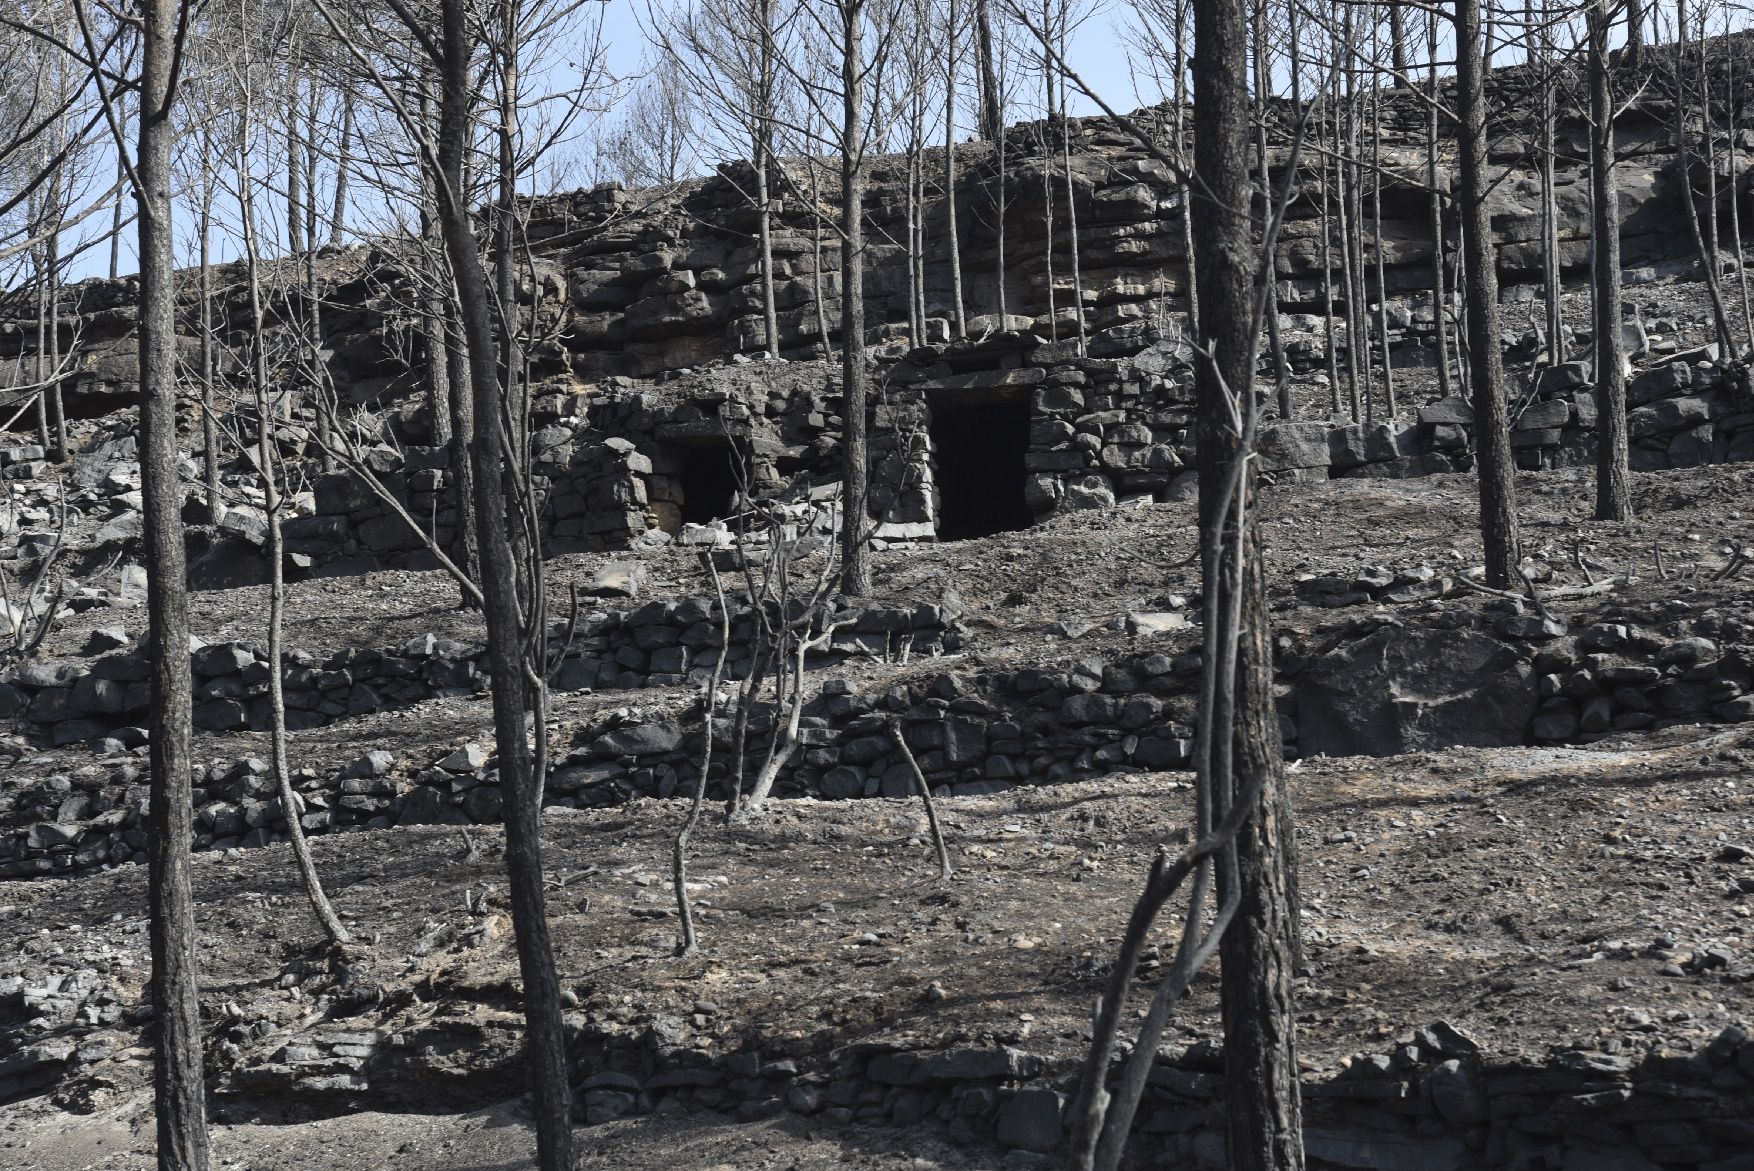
[(1397, 691)]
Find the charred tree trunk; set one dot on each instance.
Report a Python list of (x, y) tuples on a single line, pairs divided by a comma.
[(1706, 250), (343, 168), (1376, 237), (178, 1085), (1261, 1088), (1613, 492), (1398, 42), (1078, 318), (992, 107), (295, 172), (1498, 520), (435, 343), (453, 381), (766, 79), (952, 226), (514, 388), (1439, 286), (1178, 98), (209, 425), (855, 559), (1733, 110), (770, 315), (1263, 79), (497, 532), (1552, 285)]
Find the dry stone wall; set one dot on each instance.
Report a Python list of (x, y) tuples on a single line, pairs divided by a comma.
[(659, 644), (1388, 685)]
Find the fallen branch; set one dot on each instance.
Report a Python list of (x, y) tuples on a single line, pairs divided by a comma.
[(1606, 585), (1577, 558), (1534, 594), (926, 798), (1738, 559)]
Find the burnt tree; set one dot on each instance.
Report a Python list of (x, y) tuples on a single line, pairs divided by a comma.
[(178, 1086), (1499, 530), (1613, 492), (1258, 950)]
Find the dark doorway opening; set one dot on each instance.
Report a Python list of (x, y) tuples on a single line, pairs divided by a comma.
[(709, 483), (978, 451)]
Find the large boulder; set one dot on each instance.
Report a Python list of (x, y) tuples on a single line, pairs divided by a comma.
[(1399, 690), (1294, 445)]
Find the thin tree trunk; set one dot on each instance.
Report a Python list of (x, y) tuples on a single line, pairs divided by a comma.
[(1498, 520), (999, 178), (1376, 178), (178, 1085), (343, 165), (855, 557), (709, 712), (1357, 302), (36, 220), (1684, 161), (434, 331), (766, 67), (916, 327), (460, 405), (1551, 279), (1734, 109), (939, 847), (1398, 42), (1047, 204), (770, 316), (116, 214), (295, 172), (1263, 90), (276, 551), (1072, 221), (953, 228), (1613, 492), (1326, 179), (468, 541), (209, 425), (1346, 164), (545, 1029), (992, 112), (1708, 131), (514, 387), (1180, 102), (60, 452), (54, 212), (1439, 291)]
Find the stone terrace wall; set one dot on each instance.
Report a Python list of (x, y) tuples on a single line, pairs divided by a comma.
[(1482, 680), (1434, 1102), (660, 644)]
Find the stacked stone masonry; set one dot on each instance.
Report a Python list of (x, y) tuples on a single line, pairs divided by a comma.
[(1479, 679)]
